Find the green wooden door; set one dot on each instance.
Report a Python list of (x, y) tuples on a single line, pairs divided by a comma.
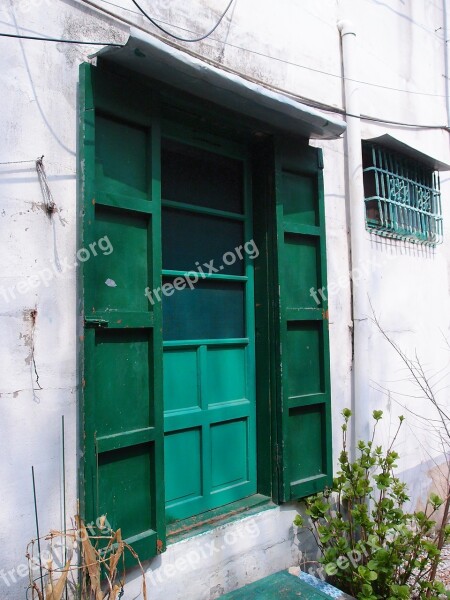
[(303, 379), (208, 323), (169, 383), (122, 386)]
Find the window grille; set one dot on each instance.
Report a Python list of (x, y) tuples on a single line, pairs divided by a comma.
[(402, 196)]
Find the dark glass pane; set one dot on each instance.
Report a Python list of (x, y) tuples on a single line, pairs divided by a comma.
[(199, 177), (188, 238), (211, 310)]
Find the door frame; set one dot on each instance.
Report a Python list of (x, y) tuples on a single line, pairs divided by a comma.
[(172, 105)]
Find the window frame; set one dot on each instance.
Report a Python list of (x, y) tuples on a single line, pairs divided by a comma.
[(402, 196)]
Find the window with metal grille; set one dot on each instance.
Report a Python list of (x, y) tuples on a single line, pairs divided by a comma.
[(402, 196)]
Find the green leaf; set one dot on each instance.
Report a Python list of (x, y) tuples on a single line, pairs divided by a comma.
[(435, 501), (298, 521)]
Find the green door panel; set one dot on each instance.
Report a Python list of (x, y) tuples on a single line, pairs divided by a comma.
[(122, 415), (121, 157), (209, 369), (304, 378), (130, 234)]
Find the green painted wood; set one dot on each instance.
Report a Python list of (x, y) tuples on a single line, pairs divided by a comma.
[(209, 369), (209, 388), (203, 210), (120, 319), (116, 441), (280, 585), (266, 316), (304, 428), (206, 342), (123, 202), (122, 433), (205, 275)]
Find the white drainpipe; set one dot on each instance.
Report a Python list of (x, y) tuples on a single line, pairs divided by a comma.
[(358, 243), (446, 29)]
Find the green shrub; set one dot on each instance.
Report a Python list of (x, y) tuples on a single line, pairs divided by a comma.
[(370, 546)]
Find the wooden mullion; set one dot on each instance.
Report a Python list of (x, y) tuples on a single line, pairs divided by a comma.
[(204, 276), (123, 202), (204, 210), (206, 342)]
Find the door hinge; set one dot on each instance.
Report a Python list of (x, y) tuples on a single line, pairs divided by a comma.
[(95, 322)]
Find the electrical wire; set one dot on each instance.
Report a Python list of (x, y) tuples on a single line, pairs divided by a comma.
[(287, 62), (44, 39), (249, 50), (342, 112), (307, 101), (18, 162), (176, 37)]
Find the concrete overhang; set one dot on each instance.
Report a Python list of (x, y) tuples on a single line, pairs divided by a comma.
[(388, 141), (155, 59)]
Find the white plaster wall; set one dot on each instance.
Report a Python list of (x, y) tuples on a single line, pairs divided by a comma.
[(225, 558), (400, 45), (38, 91)]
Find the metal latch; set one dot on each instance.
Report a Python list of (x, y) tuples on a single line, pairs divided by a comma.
[(95, 322)]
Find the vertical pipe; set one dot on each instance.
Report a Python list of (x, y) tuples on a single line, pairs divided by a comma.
[(358, 244), (63, 443), (446, 58), (37, 530)]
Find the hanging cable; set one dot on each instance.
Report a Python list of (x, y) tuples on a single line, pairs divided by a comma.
[(342, 112), (50, 204), (44, 39), (307, 101), (282, 60), (176, 37)]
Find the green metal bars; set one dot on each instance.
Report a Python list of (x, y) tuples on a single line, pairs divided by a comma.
[(402, 197)]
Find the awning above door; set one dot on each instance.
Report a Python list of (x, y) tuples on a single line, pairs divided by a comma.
[(153, 58)]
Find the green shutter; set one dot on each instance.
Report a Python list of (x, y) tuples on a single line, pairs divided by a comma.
[(122, 413), (304, 426)]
